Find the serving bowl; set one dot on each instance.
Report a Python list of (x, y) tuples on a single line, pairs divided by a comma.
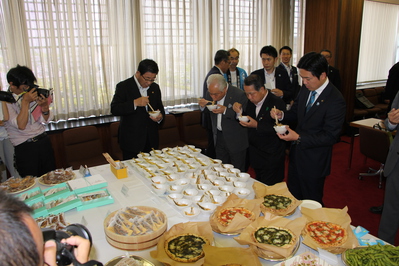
[(211, 107)]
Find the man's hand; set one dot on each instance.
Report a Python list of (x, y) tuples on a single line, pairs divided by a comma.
[(142, 101), (158, 118), (251, 123), (393, 116), (81, 250), (202, 102), (278, 92), (30, 96), (219, 110), (276, 113), (237, 107), (290, 136)]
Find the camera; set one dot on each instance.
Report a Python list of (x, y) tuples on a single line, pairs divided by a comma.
[(6, 97), (65, 255), (40, 91)]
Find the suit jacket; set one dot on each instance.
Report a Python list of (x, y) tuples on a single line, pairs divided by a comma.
[(282, 82), (236, 136), (135, 125), (392, 161), (264, 137), (392, 86), (295, 79), (214, 70), (334, 77), (319, 129)]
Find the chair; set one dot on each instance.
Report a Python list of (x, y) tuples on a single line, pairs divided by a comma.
[(169, 133), (83, 147), (116, 151), (193, 132), (374, 144)]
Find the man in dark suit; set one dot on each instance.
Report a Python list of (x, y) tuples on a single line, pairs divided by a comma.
[(320, 112), (138, 131), (276, 80), (332, 73), (222, 64), (230, 138), (285, 53), (392, 86), (266, 150), (389, 223)]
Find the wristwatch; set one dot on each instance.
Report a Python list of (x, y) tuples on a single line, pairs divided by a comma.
[(298, 140)]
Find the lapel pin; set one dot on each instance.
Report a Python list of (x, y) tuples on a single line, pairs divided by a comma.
[(317, 103)]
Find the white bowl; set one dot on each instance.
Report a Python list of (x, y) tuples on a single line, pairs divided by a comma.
[(158, 180), (242, 192), (226, 188), (182, 182), (175, 196), (175, 188), (204, 187), (154, 113), (190, 192), (159, 189), (239, 184), (217, 183), (207, 206), (211, 107), (196, 198), (156, 152), (311, 204), (182, 203), (219, 200), (191, 211), (243, 118), (243, 177), (280, 129), (172, 177), (214, 192), (143, 154), (233, 171), (227, 166)]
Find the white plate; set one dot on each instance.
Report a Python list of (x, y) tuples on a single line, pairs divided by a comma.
[(311, 204), (312, 259)]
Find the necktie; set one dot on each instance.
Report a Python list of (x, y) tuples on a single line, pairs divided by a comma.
[(311, 100)]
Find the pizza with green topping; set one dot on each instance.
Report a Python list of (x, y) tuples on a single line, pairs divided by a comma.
[(185, 248), (277, 203), (275, 236)]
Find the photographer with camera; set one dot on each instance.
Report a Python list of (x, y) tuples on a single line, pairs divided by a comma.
[(21, 239), (27, 115)]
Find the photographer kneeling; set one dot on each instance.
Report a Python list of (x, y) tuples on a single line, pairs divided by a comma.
[(21, 239)]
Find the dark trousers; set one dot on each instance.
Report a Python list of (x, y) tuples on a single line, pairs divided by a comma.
[(35, 158)]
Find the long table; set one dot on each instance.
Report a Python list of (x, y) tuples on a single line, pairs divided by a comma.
[(135, 191)]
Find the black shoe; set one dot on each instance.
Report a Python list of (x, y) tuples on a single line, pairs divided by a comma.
[(376, 209)]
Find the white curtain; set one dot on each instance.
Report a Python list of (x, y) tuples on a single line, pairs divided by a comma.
[(379, 42), (83, 48)]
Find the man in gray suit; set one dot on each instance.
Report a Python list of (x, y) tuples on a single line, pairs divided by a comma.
[(230, 138), (389, 223)]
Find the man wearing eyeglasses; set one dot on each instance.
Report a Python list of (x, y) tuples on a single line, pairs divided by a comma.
[(134, 98)]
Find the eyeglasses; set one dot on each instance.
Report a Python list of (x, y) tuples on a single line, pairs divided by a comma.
[(149, 79)]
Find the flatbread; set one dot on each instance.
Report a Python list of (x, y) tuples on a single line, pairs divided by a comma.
[(326, 234), (185, 248), (275, 236), (277, 204), (226, 215)]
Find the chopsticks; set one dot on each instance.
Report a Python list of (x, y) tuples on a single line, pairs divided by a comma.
[(275, 115), (110, 160), (151, 107)]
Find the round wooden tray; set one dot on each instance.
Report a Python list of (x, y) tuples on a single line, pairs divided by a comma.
[(139, 242)]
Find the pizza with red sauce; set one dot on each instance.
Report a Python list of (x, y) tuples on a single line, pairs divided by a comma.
[(326, 234), (225, 216)]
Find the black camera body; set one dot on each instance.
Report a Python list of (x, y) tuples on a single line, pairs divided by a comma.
[(64, 253), (40, 91)]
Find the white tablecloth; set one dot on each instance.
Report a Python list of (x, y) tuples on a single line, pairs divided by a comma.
[(139, 194)]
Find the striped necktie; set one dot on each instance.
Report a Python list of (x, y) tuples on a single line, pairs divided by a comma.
[(311, 101)]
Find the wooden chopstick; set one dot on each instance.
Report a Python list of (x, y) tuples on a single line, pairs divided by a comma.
[(110, 160), (151, 107)]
